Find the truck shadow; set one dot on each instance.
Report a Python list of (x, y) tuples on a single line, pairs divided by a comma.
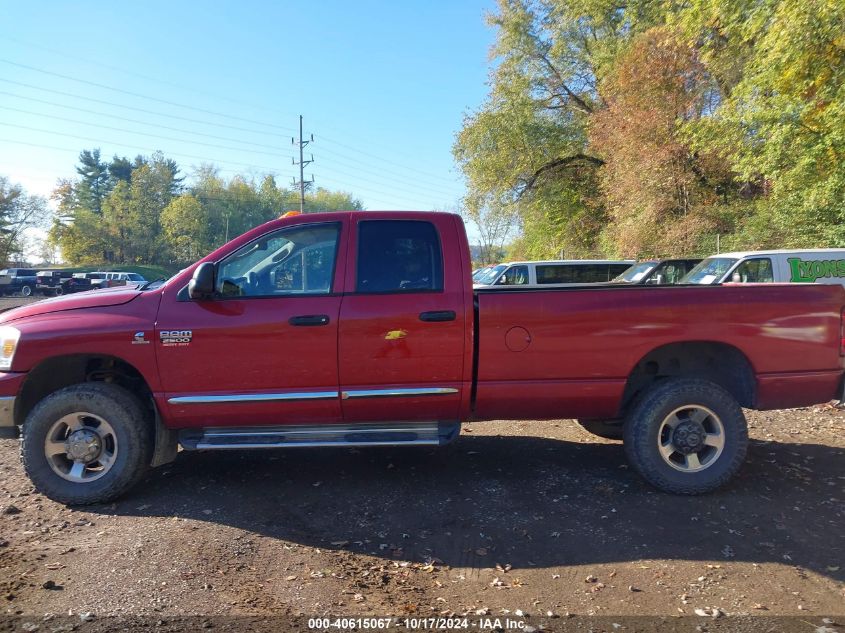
[(524, 501)]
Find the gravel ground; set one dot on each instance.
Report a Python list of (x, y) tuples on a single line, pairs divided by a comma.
[(531, 518), (7, 303), (538, 522)]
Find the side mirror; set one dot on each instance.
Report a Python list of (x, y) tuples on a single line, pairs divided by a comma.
[(201, 285)]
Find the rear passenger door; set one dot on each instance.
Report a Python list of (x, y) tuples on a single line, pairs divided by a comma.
[(402, 324)]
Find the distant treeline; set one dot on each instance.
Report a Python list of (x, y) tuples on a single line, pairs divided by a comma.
[(647, 128), (142, 211)]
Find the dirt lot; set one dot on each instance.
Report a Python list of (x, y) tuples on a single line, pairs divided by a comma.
[(539, 522), (514, 518)]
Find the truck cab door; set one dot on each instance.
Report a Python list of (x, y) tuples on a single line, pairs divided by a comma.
[(403, 325), (263, 349)]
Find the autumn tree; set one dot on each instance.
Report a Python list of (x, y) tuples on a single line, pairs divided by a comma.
[(657, 189)]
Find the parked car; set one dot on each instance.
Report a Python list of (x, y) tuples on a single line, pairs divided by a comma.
[(97, 280), (477, 274), (121, 278), (17, 281), (553, 273), (657, 272), (59, 282), (820, 265), (361, 329)]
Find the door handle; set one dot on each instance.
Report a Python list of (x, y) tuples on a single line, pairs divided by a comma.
[(438, 315), (310, 320)]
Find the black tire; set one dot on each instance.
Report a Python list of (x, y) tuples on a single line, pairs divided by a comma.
[(133, 436), (642, 433), (59, 291), (26, 291), (608, 429)]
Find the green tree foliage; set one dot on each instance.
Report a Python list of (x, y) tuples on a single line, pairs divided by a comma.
[(649, 127), (144, 213), (94, 180), (781, 124), (18, 212)]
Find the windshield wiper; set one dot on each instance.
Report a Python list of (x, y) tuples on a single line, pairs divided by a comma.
[(150, 283)]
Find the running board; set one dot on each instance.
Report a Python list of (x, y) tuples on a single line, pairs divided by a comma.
[(395, 434)]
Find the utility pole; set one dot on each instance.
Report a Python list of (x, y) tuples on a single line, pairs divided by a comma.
[(302, 163)]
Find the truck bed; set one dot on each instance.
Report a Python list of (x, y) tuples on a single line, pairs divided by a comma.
[(569, 352)]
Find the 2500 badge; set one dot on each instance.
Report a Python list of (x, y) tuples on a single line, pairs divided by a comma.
[(175, 337)]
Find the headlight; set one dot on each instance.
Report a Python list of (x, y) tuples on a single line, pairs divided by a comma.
[(8, 344)]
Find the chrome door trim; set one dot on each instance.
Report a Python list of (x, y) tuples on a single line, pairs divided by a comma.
[(254, 397), (388, 393)]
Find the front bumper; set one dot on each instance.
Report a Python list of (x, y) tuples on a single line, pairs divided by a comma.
[(10, 384), (8, 428)]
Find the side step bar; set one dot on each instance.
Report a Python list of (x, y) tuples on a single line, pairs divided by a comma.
[(310, 436)]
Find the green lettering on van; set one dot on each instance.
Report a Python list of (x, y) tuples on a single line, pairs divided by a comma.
[(808, 271)]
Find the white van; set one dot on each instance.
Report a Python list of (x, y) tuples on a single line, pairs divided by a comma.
[(816, 265), (552, 273)]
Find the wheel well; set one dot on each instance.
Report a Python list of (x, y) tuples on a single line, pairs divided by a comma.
[(717, 362), (62, 371)]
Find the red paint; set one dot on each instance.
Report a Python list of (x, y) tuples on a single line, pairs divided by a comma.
[(541, 354)]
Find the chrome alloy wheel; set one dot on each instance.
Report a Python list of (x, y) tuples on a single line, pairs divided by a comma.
[(80, 447), (691, 438)]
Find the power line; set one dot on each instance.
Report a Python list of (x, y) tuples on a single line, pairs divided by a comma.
[(150, 78), (187, 107), (397, 178), (183, 86), (269, 171), (273, 170), (128, 120), (404, 181), (127, 107), (125, 131), (140, 96), (379, 158), (355, 149)]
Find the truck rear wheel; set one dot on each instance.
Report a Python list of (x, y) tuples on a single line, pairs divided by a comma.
[(686, 436), (26, 291), (608, 429), (87, 443)]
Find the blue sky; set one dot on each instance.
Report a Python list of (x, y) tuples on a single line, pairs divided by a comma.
[(383, 86)]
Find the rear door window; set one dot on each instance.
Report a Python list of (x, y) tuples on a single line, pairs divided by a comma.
[(574, 273), (398, 256)]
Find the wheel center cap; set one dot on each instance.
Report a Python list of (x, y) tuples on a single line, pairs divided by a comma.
[(688, 437), (83, 446)]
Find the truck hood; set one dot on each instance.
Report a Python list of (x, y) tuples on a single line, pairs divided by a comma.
[(88, 299)]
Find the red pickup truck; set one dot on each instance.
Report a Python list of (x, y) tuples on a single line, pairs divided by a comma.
[(363, 329)]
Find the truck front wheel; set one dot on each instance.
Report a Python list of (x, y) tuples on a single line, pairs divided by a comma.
[(87, 443), (686, 436)]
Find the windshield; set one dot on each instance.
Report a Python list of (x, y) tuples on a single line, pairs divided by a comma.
[(634, 273), (490, 276), (709, 271), (480, 272)]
